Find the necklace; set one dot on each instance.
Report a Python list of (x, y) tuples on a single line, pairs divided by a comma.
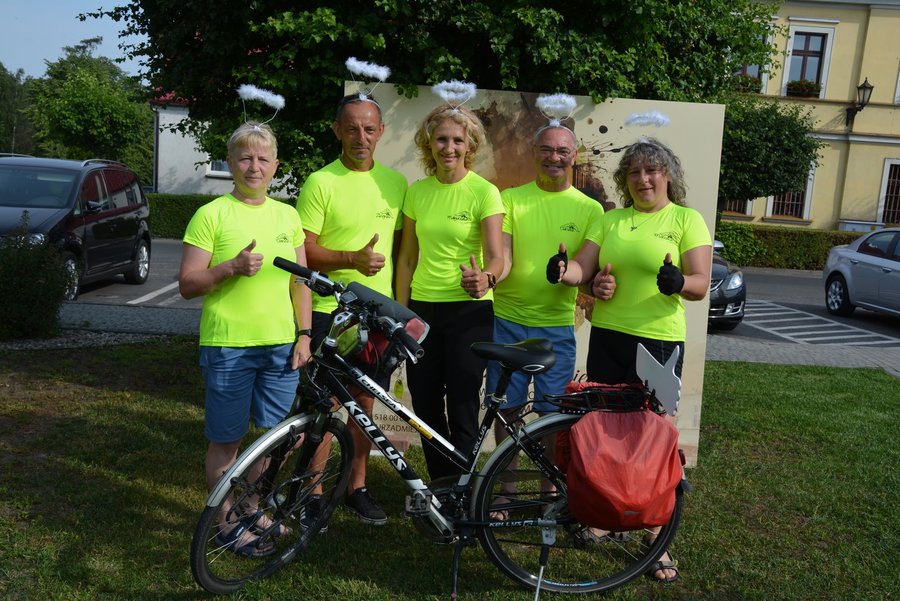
[(633, 226)]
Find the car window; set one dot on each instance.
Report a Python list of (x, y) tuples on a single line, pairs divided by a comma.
[(896, 254), (877, 245), (31, 187), (123, 188), (94, 190)]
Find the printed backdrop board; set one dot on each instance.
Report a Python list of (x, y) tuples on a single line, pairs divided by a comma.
[(693, 132)]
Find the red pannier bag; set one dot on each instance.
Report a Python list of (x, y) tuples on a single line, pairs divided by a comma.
[(623, 470)]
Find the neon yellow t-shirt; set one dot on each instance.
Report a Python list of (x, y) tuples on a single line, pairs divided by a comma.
[(538, 221), (346, 209), (448, 225), (247, 311), (637, 306)]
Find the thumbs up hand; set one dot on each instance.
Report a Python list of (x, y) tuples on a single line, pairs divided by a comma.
[(247, 262), (474, 281), (556, 266), (604, 284), (669, 280), (366, 260)]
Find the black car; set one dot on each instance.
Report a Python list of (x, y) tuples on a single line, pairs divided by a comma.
[(95, 210), (727, 292)]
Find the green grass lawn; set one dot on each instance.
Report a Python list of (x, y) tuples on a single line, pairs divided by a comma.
[(101, 483)]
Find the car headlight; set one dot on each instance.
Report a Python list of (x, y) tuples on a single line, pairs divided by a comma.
[(735, 281)]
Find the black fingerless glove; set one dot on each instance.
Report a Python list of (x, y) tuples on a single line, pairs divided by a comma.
[(553, 266), (669, 280)]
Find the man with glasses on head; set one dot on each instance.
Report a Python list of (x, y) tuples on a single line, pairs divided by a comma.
[(351, 214), (540, 216)]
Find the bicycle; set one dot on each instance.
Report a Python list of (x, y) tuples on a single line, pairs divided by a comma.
[(515, 504)]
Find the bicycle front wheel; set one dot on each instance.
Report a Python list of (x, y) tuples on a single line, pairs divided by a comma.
[(268, 494), (513, 488)]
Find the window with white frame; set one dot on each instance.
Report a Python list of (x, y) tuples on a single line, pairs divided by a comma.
[(889, 198), (808, 58), (217, 168), (792, 203)]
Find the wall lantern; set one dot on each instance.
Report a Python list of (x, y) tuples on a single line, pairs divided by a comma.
[(863, 95)]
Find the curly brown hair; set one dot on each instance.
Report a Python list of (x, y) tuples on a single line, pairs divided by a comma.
[(652, 153)]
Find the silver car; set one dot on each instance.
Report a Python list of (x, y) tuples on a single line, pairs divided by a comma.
[(864, 273)]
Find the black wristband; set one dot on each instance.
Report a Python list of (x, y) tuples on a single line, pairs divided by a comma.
[(305, 332)]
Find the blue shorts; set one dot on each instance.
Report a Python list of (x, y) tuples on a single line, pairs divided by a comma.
[(552, 381), (242, 382)]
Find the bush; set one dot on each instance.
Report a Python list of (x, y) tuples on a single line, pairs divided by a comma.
[(741, 246), (170, 213), (33, 282), (779, 247)]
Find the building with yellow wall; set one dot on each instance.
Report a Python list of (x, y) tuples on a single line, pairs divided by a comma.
[(838, 45)]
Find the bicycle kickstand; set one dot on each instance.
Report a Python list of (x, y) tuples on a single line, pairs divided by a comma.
[(548, 534), (461, 542)]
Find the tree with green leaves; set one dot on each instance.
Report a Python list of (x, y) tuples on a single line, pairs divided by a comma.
[(86, 107), (15, 128), (684, 50), (766, 148)]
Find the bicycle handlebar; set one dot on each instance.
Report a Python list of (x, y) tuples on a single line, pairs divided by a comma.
[(391, 316), (316, 281)]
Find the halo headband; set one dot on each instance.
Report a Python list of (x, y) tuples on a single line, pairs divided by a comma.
[(250, 92), (369, 72), (454, 92), (557, 108), (652, 118)]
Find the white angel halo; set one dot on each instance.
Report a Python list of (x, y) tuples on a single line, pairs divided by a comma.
[(654, 118), (454, 92), (370, 72), (251, 92), (556, 107)]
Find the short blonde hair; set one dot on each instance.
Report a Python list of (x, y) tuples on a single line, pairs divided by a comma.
[(475, 136), (653, 153), (251, 133)]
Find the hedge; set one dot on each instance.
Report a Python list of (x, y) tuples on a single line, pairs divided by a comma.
[(170, 213), (779, 247)]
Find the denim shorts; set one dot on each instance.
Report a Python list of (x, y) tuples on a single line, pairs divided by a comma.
[(552, 381), (246, 382)]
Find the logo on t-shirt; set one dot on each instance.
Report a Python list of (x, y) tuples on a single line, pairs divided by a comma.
[(670, 236), (569, 227), (384, 214), (461, 216), (283, 239)]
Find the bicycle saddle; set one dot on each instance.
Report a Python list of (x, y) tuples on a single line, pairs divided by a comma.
[(532, 355)]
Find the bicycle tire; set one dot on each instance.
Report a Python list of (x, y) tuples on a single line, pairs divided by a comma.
[(221, 571), (574, 565)]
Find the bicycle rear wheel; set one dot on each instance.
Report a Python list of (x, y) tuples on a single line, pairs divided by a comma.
[(267, 484), (512, 487)]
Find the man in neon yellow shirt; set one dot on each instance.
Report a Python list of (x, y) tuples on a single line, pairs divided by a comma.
[(540, 216), (351, 214)]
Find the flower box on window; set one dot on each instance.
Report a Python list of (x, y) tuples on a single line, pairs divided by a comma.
[(748, 83), (803, 88)]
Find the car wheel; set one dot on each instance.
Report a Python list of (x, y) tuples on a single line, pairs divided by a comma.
[(140, 270), (74, 276), (837, 300)]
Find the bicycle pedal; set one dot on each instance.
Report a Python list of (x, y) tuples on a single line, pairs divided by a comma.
[(418, 503)]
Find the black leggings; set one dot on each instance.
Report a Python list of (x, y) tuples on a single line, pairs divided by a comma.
[(445, 385), (611, 356)]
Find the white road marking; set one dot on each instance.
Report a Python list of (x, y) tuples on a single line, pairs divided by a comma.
[(152, 295)]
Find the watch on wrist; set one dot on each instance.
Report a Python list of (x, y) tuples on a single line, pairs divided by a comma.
[(304, 332), (492, 279)]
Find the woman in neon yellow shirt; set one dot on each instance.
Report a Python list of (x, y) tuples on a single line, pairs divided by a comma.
[(660, 252), (450, 253)]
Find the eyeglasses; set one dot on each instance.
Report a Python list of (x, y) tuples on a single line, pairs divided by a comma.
[(549, 151)]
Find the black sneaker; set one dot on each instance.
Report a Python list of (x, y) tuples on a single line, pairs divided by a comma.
[(311, 512), (362, 504)]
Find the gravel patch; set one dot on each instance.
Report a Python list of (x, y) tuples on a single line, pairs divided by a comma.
[(69, 339)]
